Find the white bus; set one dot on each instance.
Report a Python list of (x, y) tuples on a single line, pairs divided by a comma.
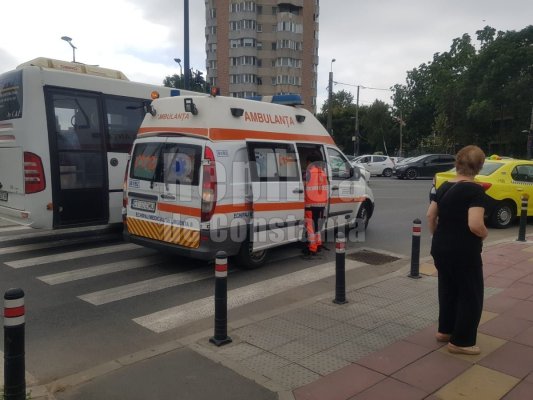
[(65, 133)]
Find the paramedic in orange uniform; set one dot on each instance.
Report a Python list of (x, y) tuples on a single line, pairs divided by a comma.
[(316, 199)]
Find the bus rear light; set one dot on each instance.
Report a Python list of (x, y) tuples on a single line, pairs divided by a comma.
[(33, 173), (209, 186)]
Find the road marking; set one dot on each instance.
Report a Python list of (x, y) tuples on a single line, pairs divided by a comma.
[(180, 315), (90, 272), (44, 245), (28, 262), (14, 228), (143, 287)]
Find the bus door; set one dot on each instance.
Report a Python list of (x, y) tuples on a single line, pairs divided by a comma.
[(77, 157), (278, 194)]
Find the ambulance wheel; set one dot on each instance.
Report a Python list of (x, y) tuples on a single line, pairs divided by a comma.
[(363, 215), (249, 259)]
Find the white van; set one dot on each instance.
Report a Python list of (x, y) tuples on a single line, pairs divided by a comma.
[(212, 173)]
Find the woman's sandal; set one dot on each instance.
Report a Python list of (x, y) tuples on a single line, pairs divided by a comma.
[(443, 337), (471, 350)]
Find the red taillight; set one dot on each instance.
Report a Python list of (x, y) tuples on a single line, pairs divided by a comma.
[(485, 185), (33, 173), (209, 185)]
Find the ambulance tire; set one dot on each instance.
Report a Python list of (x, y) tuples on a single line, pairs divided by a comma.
[(364, 214), (248, 259)]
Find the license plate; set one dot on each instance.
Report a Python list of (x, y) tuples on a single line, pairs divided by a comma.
[(143, 205), (3, 195)]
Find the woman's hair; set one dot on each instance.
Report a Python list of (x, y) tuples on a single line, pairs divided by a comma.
[(469, 160)]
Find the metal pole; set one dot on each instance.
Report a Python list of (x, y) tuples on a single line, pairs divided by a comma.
[(186, 44), (357, 122), (530, 137), (401, 135), (523, 219), (14, 364), (221, 301), (415, 250), (340, 270), (330, 95)]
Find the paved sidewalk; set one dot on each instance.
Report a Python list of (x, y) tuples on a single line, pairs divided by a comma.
[(379, 345)]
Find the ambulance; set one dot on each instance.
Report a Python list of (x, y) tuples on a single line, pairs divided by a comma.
[(212, 173)]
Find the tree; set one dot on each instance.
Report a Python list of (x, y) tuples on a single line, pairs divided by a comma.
[(464, 96), (197, 82)]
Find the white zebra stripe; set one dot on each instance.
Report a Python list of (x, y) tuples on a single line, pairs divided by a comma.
[(14, 228), (90, 272), (182, 314), (143, 287), (29, 262), (39, 246)]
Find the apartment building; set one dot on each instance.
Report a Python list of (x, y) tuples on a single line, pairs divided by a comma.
[(263, 47)]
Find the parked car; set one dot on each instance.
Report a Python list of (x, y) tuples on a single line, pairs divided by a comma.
[(504, 181), (424, 166), (376, 164)]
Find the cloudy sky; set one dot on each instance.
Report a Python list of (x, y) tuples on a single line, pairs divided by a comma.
[(374, 42)]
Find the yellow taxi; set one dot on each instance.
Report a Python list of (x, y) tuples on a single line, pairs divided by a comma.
[(505, 180)]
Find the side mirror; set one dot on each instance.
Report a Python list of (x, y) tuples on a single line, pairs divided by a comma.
[(355, 173)]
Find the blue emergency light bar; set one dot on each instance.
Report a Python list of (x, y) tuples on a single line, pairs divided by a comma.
[(285, 99)]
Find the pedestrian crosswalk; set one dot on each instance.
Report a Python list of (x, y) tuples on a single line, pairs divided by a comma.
[(123, 279)]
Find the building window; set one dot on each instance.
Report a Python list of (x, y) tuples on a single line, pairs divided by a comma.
[(259, 27), (288, 62), (213, 13), (233, 43), (289, 26), (248, 42), (213, 30)]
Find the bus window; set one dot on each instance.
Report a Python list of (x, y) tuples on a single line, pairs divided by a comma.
[(124, 116)]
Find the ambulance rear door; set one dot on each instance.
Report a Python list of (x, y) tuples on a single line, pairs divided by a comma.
[(163, 190), (278, 194)]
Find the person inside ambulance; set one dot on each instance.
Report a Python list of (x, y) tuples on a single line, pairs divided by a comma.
[(316, 199)]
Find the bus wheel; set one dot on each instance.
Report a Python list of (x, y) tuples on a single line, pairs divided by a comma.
[(249, 259)]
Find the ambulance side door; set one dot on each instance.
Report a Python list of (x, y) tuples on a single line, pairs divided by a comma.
[(341, 189), (278, 194)]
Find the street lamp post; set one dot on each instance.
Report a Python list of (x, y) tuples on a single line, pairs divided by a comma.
[(69, 41), (530, 137), (178, 60), (330, 94)]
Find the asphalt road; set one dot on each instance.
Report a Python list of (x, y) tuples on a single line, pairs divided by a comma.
[(92, 299)]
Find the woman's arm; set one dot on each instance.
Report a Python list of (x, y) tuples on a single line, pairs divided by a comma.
[(432, 216), (476, 222)]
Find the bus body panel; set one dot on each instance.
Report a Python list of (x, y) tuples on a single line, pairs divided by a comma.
[(33, 128)]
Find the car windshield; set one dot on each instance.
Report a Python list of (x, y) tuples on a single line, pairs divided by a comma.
[(489, 167), (415, 159)]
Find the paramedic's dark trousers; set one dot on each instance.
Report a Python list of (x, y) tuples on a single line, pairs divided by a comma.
[(460, 301)]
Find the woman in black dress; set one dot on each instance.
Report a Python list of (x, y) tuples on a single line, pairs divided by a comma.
[(455, 218)]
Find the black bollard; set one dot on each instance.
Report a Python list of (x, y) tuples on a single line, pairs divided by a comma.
[(221, 301), (14, 364), (340, 262), (415, 250), (523, 219)]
